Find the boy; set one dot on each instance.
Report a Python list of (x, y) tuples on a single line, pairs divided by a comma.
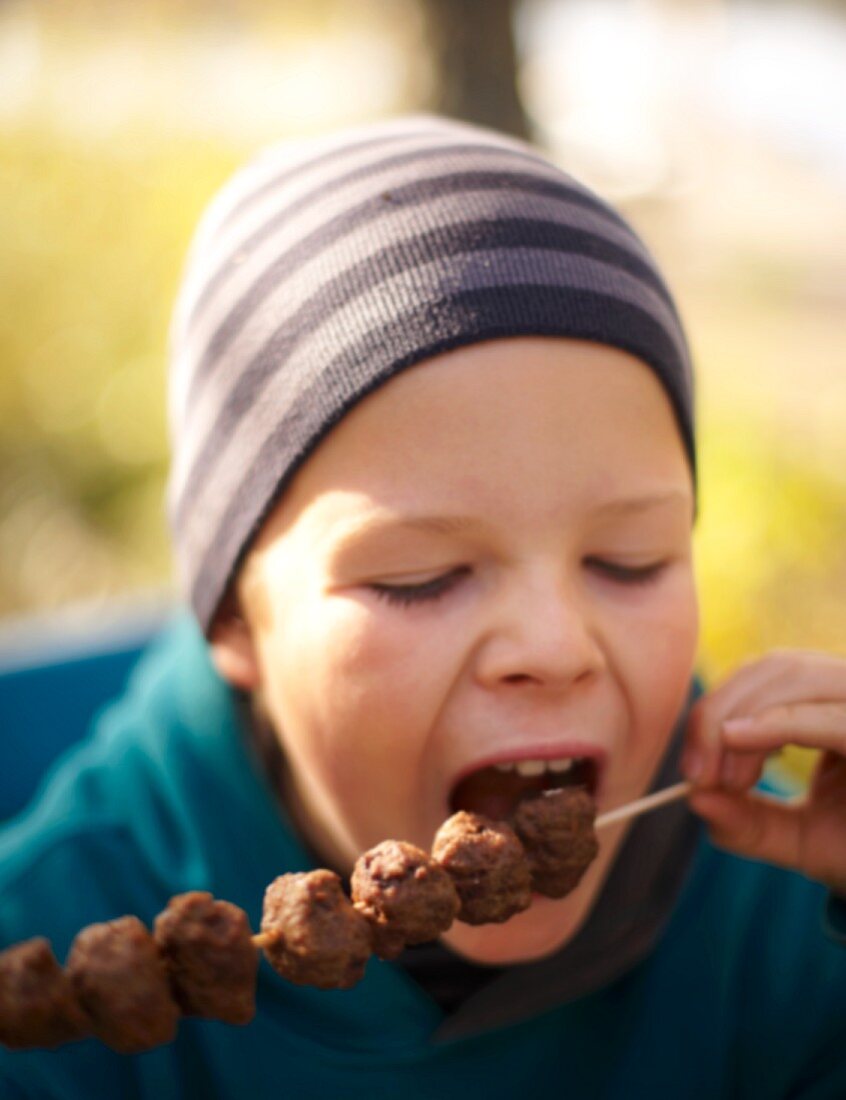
[(432, 497)]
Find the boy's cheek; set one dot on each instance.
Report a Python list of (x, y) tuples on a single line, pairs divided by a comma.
[(663, 664), (673, 637), (363, 643), (336, 665)]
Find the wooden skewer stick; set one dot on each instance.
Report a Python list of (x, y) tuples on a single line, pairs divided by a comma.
[(644, 805), (262, 939)]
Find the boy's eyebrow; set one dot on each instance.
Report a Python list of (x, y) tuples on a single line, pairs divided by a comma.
[(455, 524), (624, 505), (374, 525)]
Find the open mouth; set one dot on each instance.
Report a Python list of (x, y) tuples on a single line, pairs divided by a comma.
[(495, 790)]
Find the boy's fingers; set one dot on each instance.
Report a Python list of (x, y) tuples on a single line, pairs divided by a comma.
[(738, 694), (782, 678), (747, 740), (764, 828), (828, 783), (736, 770), (741, 770), (813, 725), (702, 759), (753, 826)]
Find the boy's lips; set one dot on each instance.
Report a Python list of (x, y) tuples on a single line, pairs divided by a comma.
[(494, 784)]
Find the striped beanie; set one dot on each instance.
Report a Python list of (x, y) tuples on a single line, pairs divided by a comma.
[(327, 266)]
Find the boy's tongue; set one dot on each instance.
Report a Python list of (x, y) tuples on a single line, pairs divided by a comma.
[(496, 793)]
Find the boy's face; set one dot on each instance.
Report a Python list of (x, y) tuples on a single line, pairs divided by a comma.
[(525, 639)]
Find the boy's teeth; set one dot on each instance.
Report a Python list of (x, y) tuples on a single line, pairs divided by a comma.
[(530, 768)]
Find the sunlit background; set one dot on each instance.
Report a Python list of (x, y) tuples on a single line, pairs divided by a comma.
[(717, 126)]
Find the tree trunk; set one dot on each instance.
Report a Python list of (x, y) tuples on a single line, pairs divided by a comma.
[(474, 62)]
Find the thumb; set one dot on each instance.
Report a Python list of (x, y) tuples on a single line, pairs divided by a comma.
[(754, 826)]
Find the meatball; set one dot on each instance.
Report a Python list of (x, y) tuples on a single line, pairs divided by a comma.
[(556, 829), (404, 894), (210, 956), (317, 938), (38, 1005), (488, 866), (122, 982)]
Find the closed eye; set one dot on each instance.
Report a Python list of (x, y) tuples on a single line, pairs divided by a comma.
[(405, 594), (628, 574), (417, 593)]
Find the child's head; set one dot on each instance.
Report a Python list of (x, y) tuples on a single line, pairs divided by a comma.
[(420, 319)]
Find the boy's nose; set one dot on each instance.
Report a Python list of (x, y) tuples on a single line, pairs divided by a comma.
[(542, 631)]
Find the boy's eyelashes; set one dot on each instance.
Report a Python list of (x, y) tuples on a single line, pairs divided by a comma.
[(439, 586), (415, 593), (628, 574)]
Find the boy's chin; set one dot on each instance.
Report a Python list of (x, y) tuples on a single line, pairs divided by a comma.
[(534, 934)]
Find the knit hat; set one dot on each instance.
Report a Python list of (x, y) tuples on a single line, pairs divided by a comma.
[(326, 267)]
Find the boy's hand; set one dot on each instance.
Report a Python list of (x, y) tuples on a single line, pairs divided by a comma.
[(789, 697)]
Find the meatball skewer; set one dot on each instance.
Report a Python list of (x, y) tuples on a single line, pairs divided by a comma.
[(129, 987)]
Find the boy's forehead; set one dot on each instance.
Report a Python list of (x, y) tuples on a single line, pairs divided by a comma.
[(346, 521), (353, 515), (514, 430)]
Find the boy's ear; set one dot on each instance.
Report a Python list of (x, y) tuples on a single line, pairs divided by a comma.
[(233, 651)]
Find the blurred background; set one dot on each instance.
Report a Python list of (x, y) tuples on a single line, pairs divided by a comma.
[(716, 125)]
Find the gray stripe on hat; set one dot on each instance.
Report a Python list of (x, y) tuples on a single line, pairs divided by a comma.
[(301, 184), (400, 226), (408, 171), (277, 164), (260, 270), (280, 165), (222, 250), (312, 152), (242, 258)]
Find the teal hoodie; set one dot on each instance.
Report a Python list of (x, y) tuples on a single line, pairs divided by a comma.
[(741, 995)]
